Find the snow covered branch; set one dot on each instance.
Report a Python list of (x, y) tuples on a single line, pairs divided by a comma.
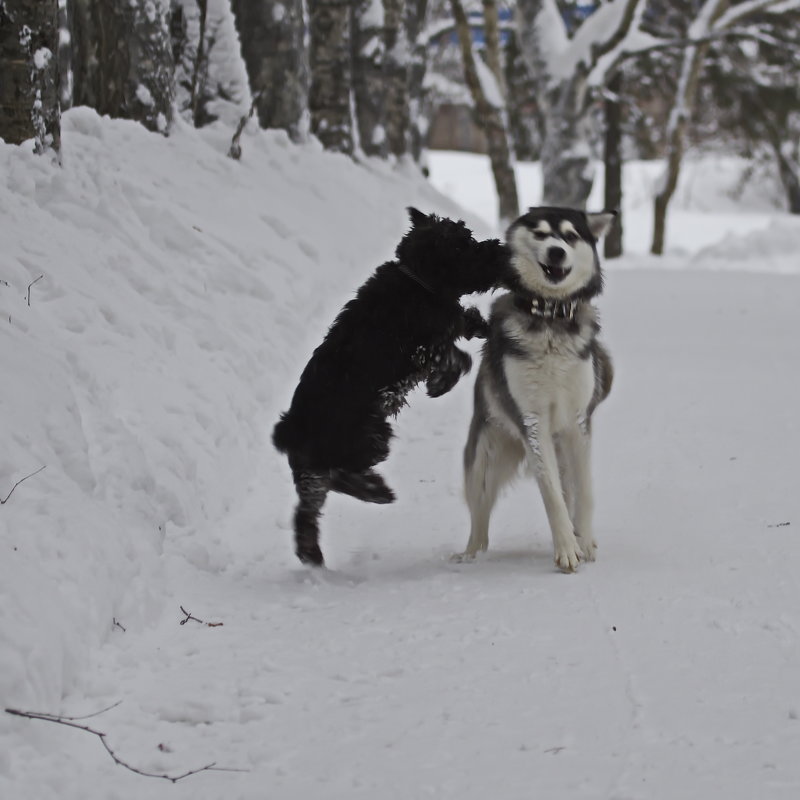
[(71, 722), (744, 11)]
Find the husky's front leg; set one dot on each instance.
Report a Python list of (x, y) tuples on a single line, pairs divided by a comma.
[(542, 456), (576, 442)]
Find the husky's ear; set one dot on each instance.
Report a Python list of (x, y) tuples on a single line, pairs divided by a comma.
[(417, 217), (600, 223)]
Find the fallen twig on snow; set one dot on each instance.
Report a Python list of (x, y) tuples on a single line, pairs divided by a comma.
[(117, 624), (189, 616), (3, 502), (70, 722), (29, 288)]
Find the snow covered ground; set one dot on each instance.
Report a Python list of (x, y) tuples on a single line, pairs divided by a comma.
[(181, 295)]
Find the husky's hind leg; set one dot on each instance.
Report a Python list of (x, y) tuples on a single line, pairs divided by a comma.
[(312, 489), (491, 459)]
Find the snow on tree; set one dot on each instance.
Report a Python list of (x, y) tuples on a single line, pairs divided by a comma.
[(29, 105), (565, 69)]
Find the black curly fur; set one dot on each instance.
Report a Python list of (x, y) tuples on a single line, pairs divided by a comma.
[(398, 331)]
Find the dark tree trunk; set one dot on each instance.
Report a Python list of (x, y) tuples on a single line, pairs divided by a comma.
[(29, 107), (331, 76), (271, 35), (612, 158), (396, 45), (414, 21), (369, 90), (124, 65)]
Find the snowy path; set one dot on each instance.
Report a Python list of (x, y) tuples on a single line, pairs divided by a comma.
[(668, 669)]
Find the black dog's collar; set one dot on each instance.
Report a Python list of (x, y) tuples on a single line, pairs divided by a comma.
[(406, 271), (547, 309)]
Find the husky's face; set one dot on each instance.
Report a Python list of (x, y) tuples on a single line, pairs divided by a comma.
[(553, 250)]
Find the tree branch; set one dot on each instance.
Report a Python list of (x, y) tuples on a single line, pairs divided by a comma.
[(70, 722)]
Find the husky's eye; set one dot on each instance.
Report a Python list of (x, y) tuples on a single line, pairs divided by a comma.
[(570, 237), (540, 235)]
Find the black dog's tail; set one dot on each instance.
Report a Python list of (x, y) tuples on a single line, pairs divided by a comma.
[(281, 435)]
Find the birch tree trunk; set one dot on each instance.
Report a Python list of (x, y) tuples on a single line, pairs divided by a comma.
[(397, 121), (331, 77), (369, 54), (123, 63), (490, 119), (271, 33), (29, 107), (567, 169)]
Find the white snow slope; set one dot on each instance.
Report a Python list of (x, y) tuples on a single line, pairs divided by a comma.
[(181, 295)]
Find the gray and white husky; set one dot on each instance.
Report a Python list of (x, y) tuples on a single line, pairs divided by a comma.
[(542, 375)]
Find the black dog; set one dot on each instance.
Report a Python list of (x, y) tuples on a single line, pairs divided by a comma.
[(399, 330)]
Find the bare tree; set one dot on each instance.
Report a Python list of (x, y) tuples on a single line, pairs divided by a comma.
[(274, 52), (29, 103), (488, 105)]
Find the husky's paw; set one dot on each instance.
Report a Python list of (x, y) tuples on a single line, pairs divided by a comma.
[(588, 548), (462, 558), (568, 555)]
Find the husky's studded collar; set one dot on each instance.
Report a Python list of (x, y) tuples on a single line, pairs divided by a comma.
[(547, 309)]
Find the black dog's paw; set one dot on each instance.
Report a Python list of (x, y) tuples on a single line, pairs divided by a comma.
[(474, 324), (445, 373), (367, 486)]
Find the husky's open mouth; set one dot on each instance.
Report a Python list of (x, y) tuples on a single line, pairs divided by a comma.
[(555, 274)]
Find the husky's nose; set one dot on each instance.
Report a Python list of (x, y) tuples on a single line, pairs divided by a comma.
[(555, 255)]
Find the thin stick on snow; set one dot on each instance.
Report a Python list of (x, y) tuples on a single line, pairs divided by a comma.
[(21, 480), (29, 288), (189, 616), (70, 723)]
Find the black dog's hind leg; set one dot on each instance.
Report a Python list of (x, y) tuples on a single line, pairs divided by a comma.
[(312, 489), (367, 486)]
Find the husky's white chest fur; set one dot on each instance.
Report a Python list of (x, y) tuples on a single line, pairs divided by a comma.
[(548, 371)]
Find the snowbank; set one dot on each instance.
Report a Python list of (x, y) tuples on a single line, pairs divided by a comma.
[(178, 292)]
